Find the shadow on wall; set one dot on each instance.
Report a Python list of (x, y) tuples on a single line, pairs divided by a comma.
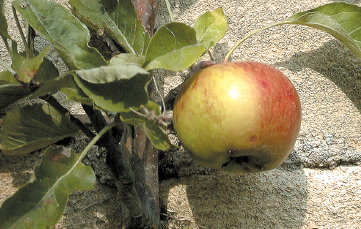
[(273, 199), (334, 61)]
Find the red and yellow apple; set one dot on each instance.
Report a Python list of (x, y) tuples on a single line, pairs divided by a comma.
[(238, 117)]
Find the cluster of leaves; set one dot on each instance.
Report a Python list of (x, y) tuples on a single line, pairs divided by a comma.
[(117, 85)]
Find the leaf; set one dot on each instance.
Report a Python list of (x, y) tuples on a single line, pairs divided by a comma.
[(16, 57), (108, 74), (119, 21), (7, 78), (3, 24), (73, 93), (11, 93), (30, 128), (127, 58), (117, 96), (155, 134), (28, 68), (47, 71), (53, 85), (174, 47), (65, 84), (127, 21), (65, 32), (211, 27), (41, 202), (341, 20)]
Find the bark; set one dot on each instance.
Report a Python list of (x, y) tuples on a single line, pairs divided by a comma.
[(135, 161), (130, 154), (147, 12)]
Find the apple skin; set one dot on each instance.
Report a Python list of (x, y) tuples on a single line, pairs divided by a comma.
[(238, 117)]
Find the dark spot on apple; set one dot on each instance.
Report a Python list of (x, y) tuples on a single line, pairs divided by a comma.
[(265, 84), (182, 105), (252, 165), (279, 99), (252, 139), (238, 160), (205, 92), (195, 82)]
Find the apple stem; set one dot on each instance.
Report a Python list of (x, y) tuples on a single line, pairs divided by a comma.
[(210, 55), (228, 55)]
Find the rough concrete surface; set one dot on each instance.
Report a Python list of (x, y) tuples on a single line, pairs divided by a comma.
[(319, 184), (328, 78)]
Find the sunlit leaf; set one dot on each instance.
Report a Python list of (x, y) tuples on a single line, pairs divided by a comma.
[(111, 73), (16, 57), (30, 128), (73, 93), (41, 202), (28, 68), (127, 58), (211, 27), (340, 19), (3, 24), (119, 21), (127, 21), (117, 96), (11, 93), (174, 47), (7, 78), (63, 30), (152, 129)]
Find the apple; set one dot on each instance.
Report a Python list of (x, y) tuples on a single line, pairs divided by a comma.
[(238, 117)]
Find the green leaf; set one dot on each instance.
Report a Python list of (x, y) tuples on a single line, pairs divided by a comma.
[(7, 78), (117, 96), (30, 128), (63, 30), (211, 27), (340, 19), (152, 129), (53, 85), (127, 58), (3, 24), (65, 84), (120, 22), (75, 94), (10, 93), (41, 202), (28, 68), (110, 74), (16, 57), (47, 71), (174, 47)]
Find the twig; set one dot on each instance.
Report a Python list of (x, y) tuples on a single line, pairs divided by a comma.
[(120, 160), (160, 95), (169, 11), (57, 106), (10, 69), (96, 118), (28, 54), (108, 40)]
